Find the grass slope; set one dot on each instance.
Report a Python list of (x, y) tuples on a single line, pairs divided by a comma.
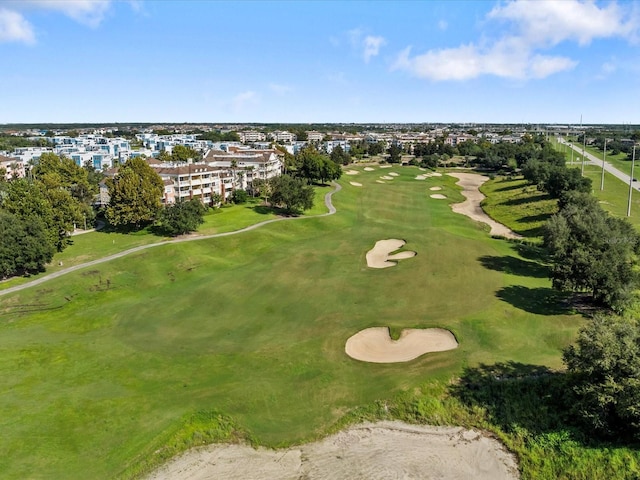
[(105, 370)]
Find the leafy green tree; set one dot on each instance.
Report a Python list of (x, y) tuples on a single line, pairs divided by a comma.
[(71, 176), (164, 156), (395, 153), (592, 251), (316, 167), (239, 196), (182, 153), (339, 156), (182, 217), (604, 370), (24, 246), (293, 194), (135, 195), (376, 148)]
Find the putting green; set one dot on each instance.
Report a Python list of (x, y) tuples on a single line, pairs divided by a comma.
[(98, 367)]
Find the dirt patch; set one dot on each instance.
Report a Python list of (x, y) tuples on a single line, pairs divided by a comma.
[(376, 346), (371, 451), (379, 256), (470, 183)]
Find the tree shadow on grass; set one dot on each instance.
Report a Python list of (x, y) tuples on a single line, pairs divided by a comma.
[(541, 217), (514, 266), (524, 200), (517, 396), (262, 209), (540, 300)]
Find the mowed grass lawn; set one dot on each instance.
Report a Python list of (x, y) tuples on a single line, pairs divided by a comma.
[(97, 366)]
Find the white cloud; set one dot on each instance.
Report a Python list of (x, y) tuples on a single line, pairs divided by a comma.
[(241, 100), (367, 45), (86, 12), (535, 26), (14, 28), (549, 22), (279, 89), (372, 46)]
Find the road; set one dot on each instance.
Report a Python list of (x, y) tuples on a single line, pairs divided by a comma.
[(593, 160), (327, 201)]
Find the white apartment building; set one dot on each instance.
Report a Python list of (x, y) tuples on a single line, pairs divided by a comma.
[(252, 136)]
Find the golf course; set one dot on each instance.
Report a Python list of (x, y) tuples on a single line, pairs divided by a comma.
[(108, 371)]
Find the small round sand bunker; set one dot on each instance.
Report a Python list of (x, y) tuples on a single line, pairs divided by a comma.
[(394, 174), (421, 177), (438, 196), (355, 184), (379, 181), (379, 256), (386, 166), (375, 345), (435, 189), (352, 172), (386, 177), (369, 169)]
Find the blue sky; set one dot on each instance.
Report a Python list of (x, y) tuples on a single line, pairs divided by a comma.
[(419, 61)]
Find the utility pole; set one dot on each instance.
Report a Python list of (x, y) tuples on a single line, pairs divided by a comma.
[(584, 147), (633, 161)]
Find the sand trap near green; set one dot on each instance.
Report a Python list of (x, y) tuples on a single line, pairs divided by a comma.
[(351, 172), (380, 255), (355, 184), (438, 196), (375, 345), (373, 451), (369, 169)]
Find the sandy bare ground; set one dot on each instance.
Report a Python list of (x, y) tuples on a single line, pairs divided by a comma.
[(369, 169), (376, 346), (438, 196), (470, 183), (352, 172), (435, 189), (379, 256), (355, 184), (369, 451)]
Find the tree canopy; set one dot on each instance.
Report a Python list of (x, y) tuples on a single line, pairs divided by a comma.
[(135, 195), (604, 368), (292, 194), (316, 167), (24, 245), (182, 217), (592, 251)]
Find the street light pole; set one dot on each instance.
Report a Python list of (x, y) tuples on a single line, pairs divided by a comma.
[(604, 157), (584, 147), (633, 161)]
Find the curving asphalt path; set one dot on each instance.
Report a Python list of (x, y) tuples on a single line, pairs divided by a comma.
[(59, 273)]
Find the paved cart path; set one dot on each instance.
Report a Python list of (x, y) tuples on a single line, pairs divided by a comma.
[(327, 201)]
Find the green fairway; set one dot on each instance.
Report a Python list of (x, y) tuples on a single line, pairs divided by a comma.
[(100, 367)]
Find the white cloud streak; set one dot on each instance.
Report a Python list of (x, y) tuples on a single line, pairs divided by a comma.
[(241, 100), (535, 26)]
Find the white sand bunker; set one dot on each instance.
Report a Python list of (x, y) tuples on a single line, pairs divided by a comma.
[(470, 183), (386, 166), (352, 172), (386, 177), (435, 174), (435, 189), (438, 196), (379, 181), (372, 451), (356, 184), (421, 177), (394, 174), (378, 256), (376, 346), (369, 169)]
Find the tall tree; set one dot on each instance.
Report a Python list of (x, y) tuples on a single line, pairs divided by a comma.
[(604, 371), (24, 246), (293, 194), (592, 251), (182, 217), (135, 195)]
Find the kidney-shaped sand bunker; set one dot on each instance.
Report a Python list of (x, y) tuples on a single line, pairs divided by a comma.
[(375, 345)]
